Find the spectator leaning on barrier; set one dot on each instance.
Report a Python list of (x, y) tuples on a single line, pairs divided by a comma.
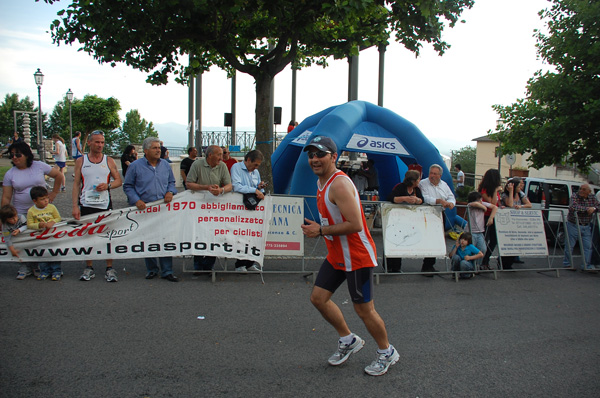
[(209, 174), (489, 188), (435, 192), (148, 180), (585, 204), (186, 164), (406, 192), (477, 222), (351, 257), (91, 191), (513, 195), (245, 179)]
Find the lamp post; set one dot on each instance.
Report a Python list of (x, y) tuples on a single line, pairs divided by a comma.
[(39, 79), (70, 99)]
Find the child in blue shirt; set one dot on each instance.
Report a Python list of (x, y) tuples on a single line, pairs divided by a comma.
[(464, 254)]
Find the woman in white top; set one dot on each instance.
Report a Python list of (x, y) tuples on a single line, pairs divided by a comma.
[(60, 156)]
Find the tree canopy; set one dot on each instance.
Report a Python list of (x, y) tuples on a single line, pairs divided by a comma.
[(257, 37), (560, 117), (134, 130), (95, 113), (466, 157), (13, 103)]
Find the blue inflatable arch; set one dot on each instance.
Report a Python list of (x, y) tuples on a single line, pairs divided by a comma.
[(357, 126)]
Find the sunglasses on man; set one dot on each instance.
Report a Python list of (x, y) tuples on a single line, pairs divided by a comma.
[(15, 155), (319, 154)]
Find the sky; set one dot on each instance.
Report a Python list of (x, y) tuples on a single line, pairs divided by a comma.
[(449, 98)]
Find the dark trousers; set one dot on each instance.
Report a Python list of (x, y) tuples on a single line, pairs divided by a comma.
[(490, 240), (204, 263), (395, 264)]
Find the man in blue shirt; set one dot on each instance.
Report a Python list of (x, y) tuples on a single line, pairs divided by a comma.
[(147, 180), (245, 179)]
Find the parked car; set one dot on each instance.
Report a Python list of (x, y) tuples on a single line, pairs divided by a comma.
[(552, 195)]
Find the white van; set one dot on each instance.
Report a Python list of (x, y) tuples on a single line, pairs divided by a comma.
[(556, 195)]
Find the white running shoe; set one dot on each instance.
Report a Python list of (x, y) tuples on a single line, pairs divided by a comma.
[(88, 274), (344, 351), (253, 268), (241, 269), (111, 275), (382, 363), (23, 274)]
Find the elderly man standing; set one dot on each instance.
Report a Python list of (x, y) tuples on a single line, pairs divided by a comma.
[(245, 178), (209, 174), (584, 204), (147, 180), (435, 192)]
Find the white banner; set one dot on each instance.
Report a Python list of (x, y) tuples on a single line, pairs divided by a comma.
[(521, 232), (364, 143), (285, 236), (413, 231), (194, 223)]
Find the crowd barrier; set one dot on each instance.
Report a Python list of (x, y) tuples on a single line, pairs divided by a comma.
[(124, 233), (314, 252)]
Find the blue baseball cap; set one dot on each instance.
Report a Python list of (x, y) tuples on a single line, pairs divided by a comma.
[(322, 143)]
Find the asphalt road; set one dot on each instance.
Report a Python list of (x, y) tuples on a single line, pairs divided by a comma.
[(525, 334)]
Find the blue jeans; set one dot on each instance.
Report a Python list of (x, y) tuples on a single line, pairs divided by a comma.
[(50, 268), (479, 242), (166, 263), (459, 264), (586, 237)]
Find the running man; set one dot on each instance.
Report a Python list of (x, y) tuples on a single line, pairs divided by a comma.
[(351, 257)]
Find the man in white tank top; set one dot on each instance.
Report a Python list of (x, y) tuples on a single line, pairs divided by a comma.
[(91, 190)]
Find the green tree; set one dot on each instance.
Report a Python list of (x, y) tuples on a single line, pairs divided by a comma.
[(465, 156), (560, 117), (136, 129), (58, 122), (7, 127), (257, 37), (95, 113)]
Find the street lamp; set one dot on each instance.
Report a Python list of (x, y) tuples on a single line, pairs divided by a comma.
[(39, 79), (70, 99)]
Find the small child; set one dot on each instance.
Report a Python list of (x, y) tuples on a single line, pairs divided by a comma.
[(12, 225), (43, 215), (477, 209), (463, 253)]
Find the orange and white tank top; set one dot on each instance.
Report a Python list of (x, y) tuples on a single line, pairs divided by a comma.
[(345, 252)]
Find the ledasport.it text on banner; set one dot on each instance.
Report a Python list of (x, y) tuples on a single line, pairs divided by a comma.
[(193, 223)]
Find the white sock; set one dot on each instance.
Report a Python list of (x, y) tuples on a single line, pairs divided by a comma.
[(347, 339), (386, 351)]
